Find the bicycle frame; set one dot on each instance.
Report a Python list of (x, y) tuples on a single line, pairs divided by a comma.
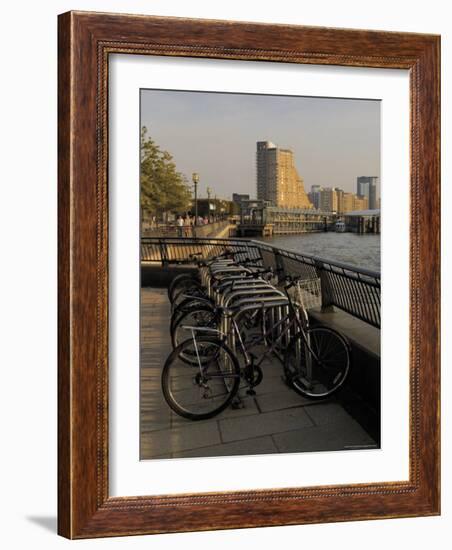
[(286, 322)]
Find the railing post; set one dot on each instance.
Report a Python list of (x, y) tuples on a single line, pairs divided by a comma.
[(163, 254), (279, 265), (325, 286)]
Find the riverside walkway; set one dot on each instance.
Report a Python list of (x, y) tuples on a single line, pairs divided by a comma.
[(275, 420)]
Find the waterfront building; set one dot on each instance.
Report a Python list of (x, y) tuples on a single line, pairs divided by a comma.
[(347, 202), (373, 196), (366, 186), (360, 203), (328, 200), (237, 200), (333, 199), (339, 200), (314, 196), (277, 178), (238, 197)]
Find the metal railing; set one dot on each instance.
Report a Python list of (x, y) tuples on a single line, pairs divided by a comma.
[(176, 250), (352, 289), (192, 231), (349, 288)]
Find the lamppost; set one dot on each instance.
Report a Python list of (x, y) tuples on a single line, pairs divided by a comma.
[(195, 179), (209, 191)]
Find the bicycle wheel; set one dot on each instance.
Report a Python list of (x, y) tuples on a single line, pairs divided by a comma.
[(203, 389), (180, 281), (199, 316), (187, 305), (317, 367), (189, 290)]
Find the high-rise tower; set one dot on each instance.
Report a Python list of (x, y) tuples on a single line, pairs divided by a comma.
[(366, 186), (277, 178)]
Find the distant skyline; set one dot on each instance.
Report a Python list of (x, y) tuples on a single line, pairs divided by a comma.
[(333, 140)]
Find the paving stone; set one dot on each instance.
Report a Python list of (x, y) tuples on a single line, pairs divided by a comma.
[(270, 383), (258, 445), (324, 438), (150, 424), (280, 400), (248, 409), (152, 413), (180, 438), (328, 413), (153, 401), (151, 385), (263, 424)]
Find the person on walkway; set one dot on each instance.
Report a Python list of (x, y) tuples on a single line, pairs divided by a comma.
[(180, 226), (187, 225)]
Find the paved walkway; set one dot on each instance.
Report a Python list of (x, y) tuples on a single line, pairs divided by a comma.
[(275, 420)]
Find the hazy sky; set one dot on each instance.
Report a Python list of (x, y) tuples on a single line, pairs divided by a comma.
[(215, 134)]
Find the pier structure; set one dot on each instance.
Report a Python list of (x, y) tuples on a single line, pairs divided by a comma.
[(260, 218), (363, 221)]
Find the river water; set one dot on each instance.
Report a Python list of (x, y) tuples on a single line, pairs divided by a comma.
[(350, 248)]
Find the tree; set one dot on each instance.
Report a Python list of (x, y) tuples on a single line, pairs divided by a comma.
[(163, 188)]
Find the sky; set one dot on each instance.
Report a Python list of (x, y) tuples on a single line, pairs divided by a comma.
[(214, 134)]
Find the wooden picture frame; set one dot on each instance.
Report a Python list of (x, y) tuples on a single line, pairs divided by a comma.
[(86, 40)]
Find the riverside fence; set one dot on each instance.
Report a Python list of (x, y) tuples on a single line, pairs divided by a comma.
[(351, 289), (193, 231)]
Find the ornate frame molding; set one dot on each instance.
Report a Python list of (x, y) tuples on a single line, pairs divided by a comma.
[(85, 42)]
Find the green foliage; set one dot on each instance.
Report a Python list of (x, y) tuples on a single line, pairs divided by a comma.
[(163, 188)]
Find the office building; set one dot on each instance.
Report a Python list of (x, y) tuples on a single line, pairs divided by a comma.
[(238, 197), (328, 199), (314, 196), (360, 203), (366, 186)]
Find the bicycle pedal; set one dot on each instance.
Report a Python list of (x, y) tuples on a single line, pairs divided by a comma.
[(237, 404), (250, 392)]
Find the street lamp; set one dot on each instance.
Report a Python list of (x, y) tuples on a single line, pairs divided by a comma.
[(195, 179), (209, 191)]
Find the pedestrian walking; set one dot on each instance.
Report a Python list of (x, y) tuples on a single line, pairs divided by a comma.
[(180, 226)]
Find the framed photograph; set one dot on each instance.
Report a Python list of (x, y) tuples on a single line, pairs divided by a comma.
[(248, 275)]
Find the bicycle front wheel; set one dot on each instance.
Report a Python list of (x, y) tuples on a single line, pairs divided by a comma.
[(180, 281), (197, 317), (202, 390), (317, 366)]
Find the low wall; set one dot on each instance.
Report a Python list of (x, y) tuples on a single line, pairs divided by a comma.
[(160, 277), (361, 396)]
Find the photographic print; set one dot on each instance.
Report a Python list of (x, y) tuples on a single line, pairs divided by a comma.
[(260, 274)]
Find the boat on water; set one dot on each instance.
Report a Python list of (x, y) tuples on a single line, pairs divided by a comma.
[(340, 227)]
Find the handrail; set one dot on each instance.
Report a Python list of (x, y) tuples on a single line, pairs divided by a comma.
[(186, 231), (335, 263)]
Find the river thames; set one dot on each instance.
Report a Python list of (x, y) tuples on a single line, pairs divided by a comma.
[(350, 248)]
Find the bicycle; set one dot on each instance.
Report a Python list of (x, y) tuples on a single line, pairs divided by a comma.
[(316, 363)]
